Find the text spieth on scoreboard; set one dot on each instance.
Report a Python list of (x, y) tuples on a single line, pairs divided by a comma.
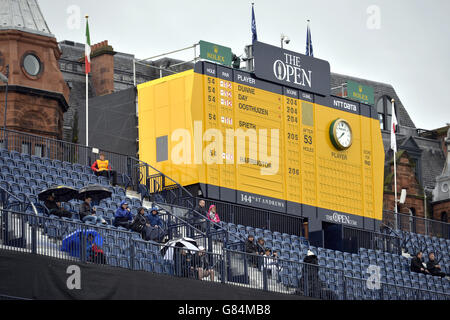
[(291, 69)]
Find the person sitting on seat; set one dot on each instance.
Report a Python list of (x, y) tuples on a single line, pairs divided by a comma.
[(433, 266), (88, 213), (141, 225), (54, 208), (101, 167), (123, 216), (156, 222), (95, 253), (416, 264)]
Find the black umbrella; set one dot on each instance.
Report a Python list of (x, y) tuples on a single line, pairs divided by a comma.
[(61, 193), (96, 192)]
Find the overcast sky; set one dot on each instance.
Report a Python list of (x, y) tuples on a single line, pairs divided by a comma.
[(405, 43)]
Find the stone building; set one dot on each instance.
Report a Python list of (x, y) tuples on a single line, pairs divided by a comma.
[(38, 94)]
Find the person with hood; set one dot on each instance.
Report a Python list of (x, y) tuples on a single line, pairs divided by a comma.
[(212, 214), (310, 284), (433, 266), (88, 213), (141, 225), (416, 264), (157, 224), (123, 216)]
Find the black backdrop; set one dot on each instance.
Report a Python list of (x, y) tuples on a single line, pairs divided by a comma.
[(38, 277)]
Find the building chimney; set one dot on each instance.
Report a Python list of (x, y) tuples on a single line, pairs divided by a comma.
[(102, 68)]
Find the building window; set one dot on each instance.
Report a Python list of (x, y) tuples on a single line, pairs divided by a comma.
[(384, 109), (444, 216), (31, 65), (39, 150), (26, 147)]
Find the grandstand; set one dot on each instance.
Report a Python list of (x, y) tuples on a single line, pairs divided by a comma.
[(342, 274)]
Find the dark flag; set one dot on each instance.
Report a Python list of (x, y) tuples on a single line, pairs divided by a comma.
[(309, 46), (254, 34)]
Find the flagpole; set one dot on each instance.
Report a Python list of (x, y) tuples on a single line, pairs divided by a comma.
[(87, 102), (395, 178)]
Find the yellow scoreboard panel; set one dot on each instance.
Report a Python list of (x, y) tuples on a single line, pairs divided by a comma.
[(254, 142)]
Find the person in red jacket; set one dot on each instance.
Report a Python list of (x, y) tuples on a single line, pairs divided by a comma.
[(101, 167)]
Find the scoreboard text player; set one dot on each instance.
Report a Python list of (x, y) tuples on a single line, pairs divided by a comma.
[(284, 145)]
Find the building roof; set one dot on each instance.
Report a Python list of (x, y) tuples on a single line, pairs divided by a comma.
[(380, 89), (23, 15)]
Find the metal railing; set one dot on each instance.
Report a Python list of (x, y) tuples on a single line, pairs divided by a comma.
[(419, 225), (357, 238), (74, 241), (257, 218), (156, 186), (58, 150)]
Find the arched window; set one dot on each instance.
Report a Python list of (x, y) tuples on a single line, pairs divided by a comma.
[(384, 109)]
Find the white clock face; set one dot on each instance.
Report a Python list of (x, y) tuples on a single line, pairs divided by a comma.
[(343, 134)]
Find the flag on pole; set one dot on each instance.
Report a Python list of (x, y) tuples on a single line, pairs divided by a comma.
[(254, 34), (393, 128), (87, 49), (309, 46)]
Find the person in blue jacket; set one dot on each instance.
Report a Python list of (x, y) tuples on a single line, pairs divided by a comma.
[(156, 223), (123, 216)]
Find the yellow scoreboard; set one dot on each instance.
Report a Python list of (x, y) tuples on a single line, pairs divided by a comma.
[(250, 141)]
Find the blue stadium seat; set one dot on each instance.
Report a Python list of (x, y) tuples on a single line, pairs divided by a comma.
[(15, 155), (47, 162), (5, 169), (4, 153), (112, 261), (21, 164), (77, 168), (67, 166), (36, 160)]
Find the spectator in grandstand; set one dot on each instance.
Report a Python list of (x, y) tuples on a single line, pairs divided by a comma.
[(141, 225), (433, 266), (212, 214), (183, 263), (310, 284), (123, 216), (101, 167), (95, 253), (198, 217), (88, 213), (270, 264), (202, 265), (416, 264), (157, 224), (261, 246), (54, 208), (251, 248)]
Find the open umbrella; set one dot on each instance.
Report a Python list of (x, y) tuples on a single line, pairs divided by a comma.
[(72, 243), (185, 243), (61, 193), (94, 191)]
